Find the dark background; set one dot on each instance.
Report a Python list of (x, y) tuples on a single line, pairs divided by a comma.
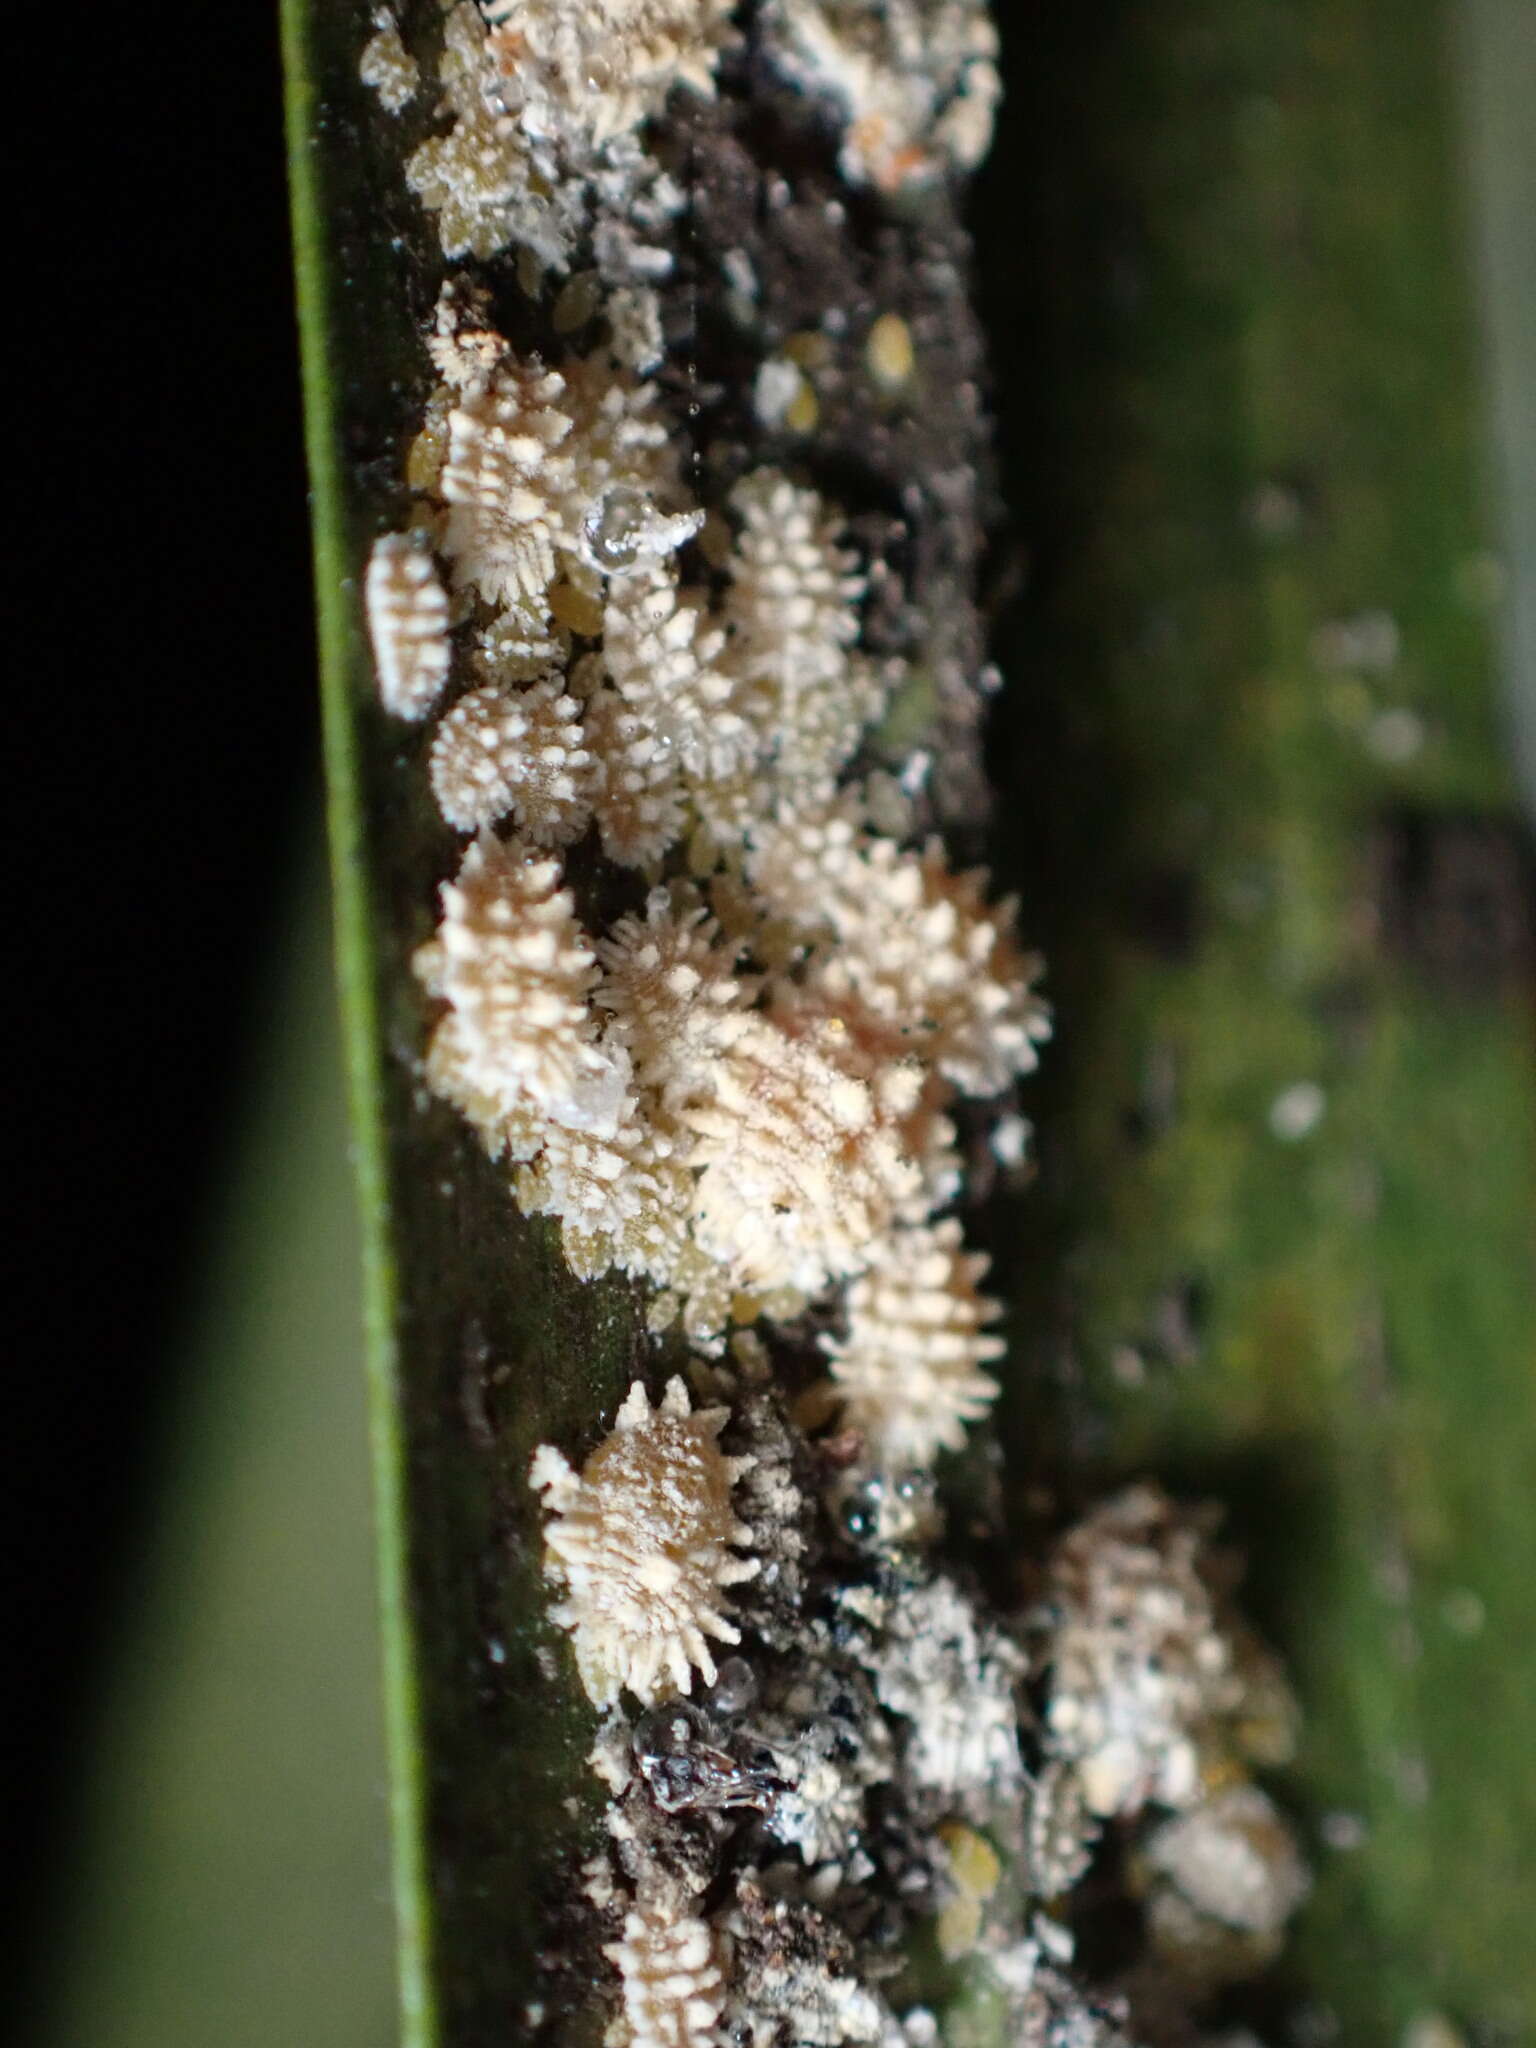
[(164, 756)]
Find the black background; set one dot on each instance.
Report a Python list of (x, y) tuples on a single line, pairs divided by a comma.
[(162, 757)]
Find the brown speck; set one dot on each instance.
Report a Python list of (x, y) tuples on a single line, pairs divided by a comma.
[(889, 352), (804, 409), (1456, 898)]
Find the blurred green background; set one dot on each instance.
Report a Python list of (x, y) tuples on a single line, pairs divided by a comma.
[(231, 1876)]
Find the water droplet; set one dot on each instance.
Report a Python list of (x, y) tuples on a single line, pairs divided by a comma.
[(735, 1688), (614, 526)]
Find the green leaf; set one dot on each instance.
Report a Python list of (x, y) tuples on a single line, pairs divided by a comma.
[(1282, 1248)]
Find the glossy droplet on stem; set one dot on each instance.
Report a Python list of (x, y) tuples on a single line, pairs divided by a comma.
[(614, 527), (735, 1688)]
